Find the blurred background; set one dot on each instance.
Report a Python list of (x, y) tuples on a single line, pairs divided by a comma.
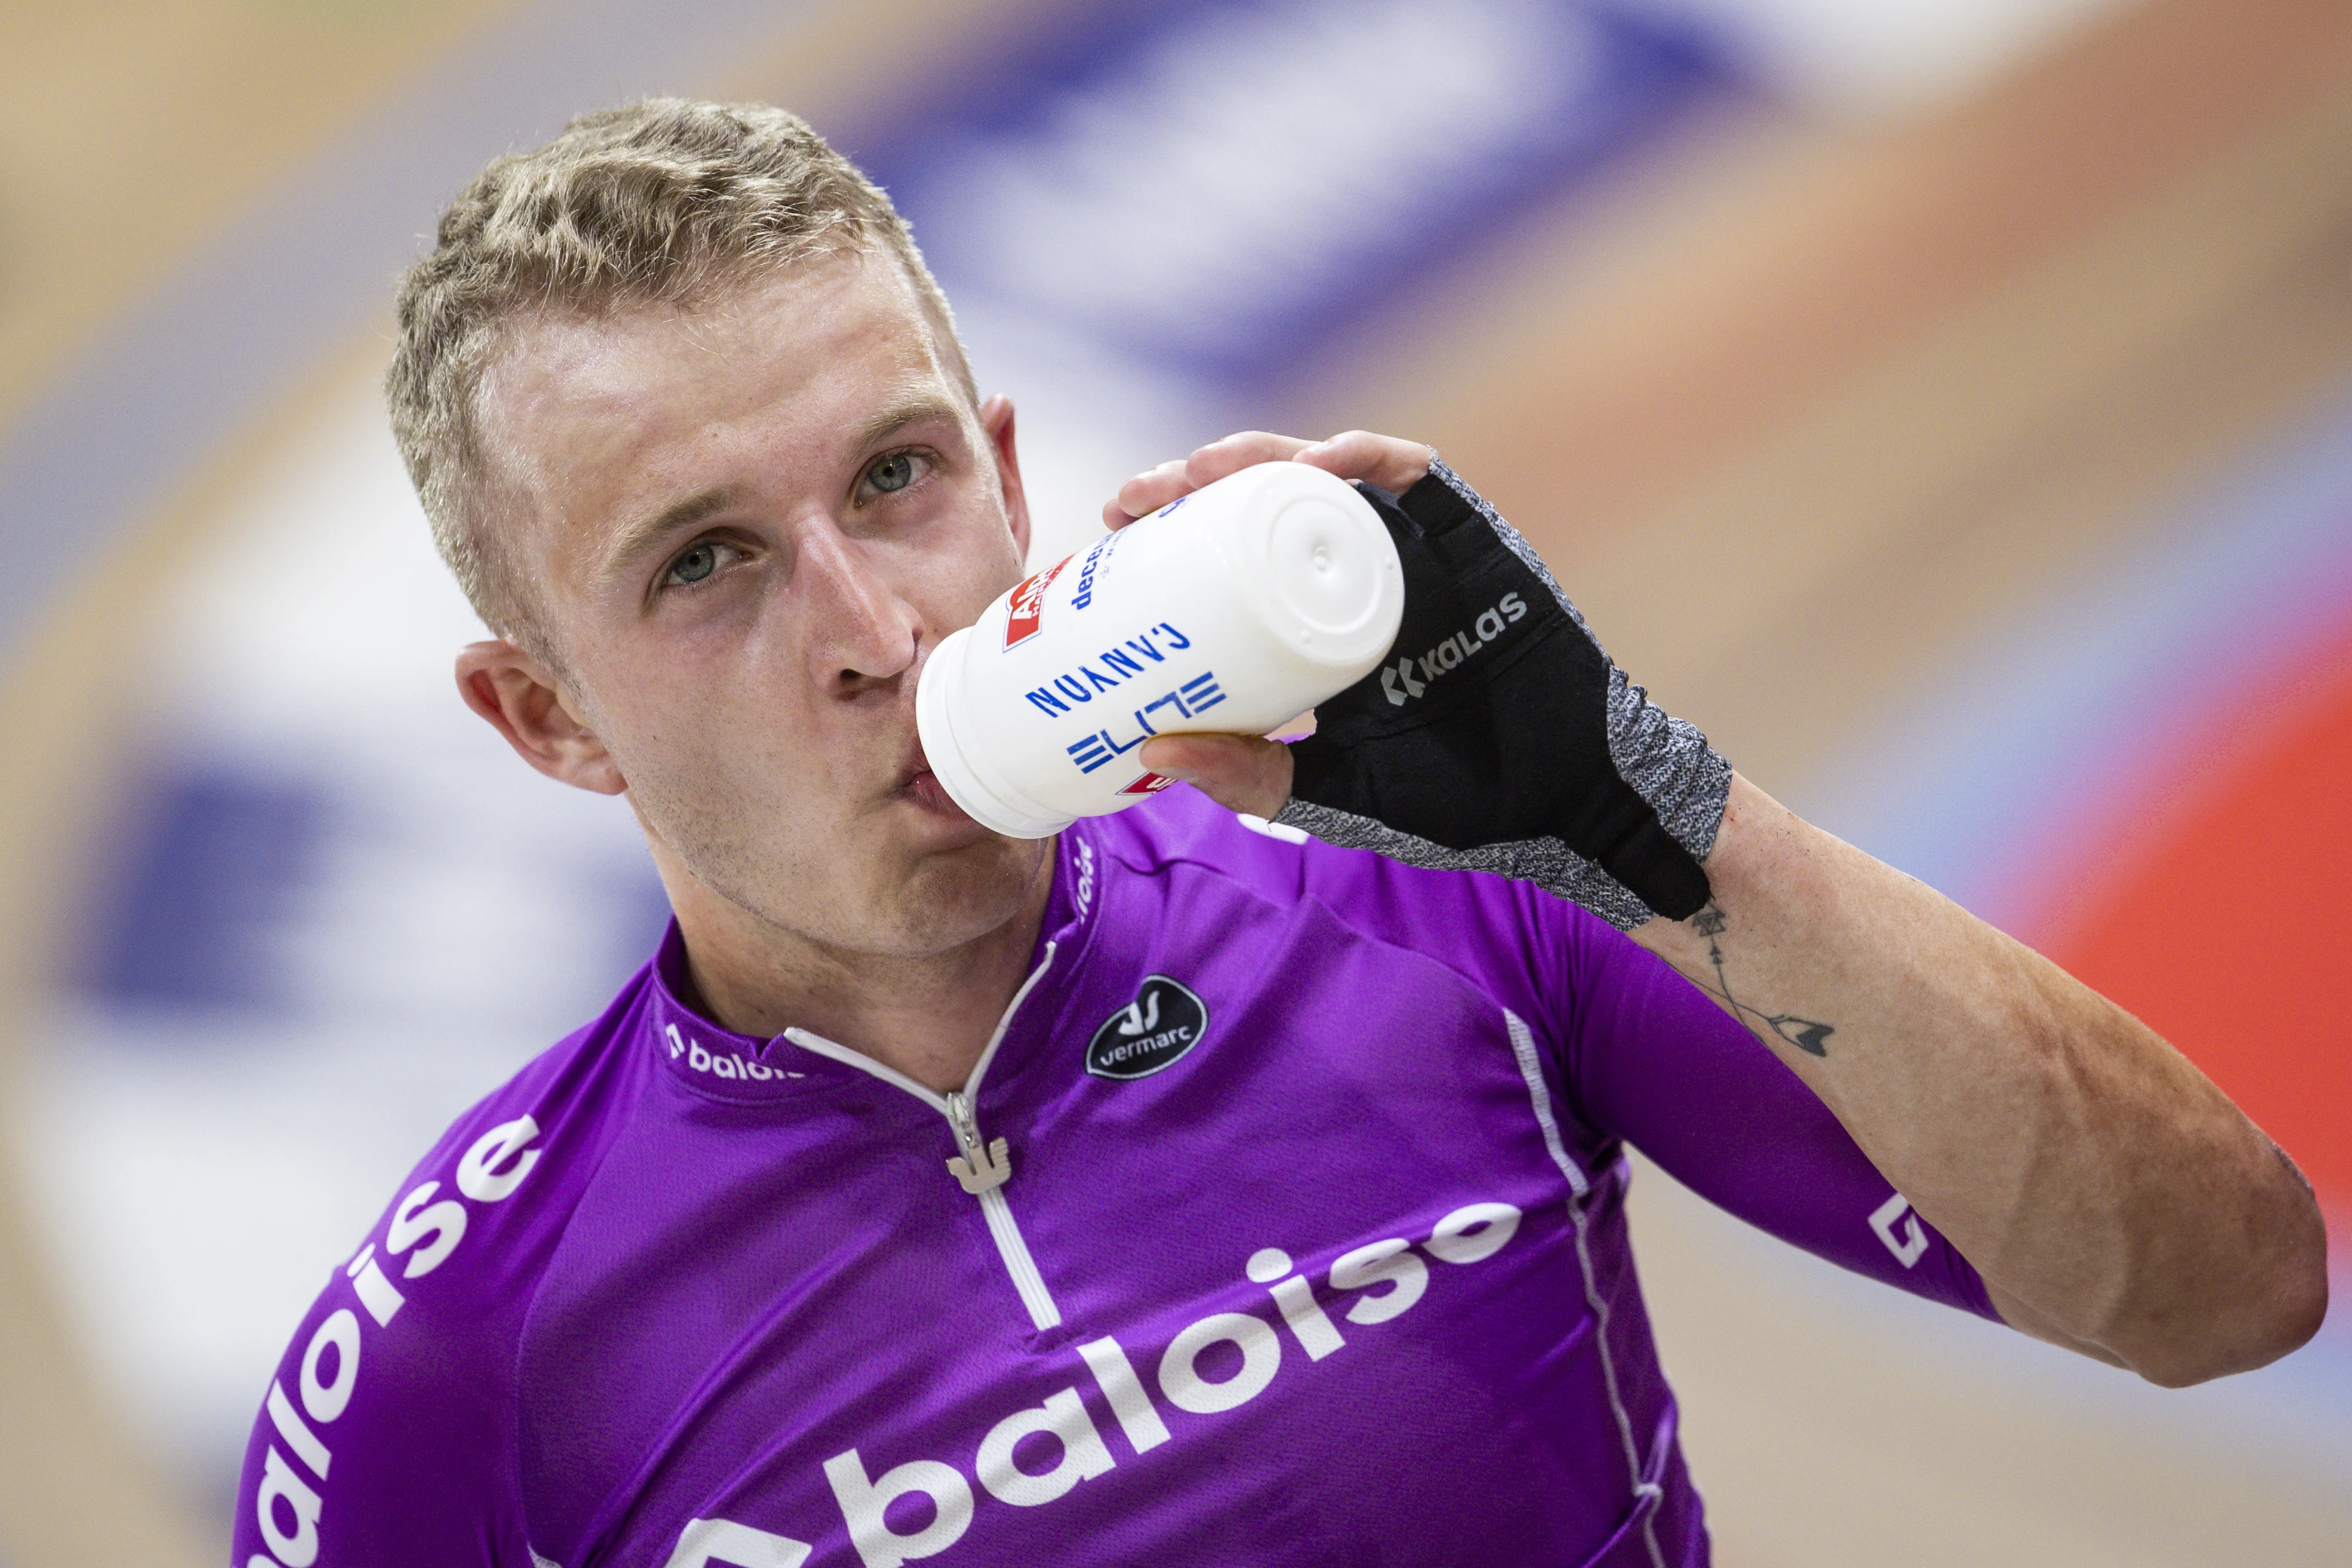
[(1948, 404)]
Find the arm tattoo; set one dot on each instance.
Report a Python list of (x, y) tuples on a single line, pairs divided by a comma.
[(1806, 1034)]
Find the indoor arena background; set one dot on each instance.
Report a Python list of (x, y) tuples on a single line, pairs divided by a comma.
[(1947, 404)]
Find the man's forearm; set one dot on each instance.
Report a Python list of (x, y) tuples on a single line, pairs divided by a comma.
[(2112, 1197)]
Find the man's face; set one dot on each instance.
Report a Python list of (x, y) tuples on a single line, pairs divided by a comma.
[(748, 525)]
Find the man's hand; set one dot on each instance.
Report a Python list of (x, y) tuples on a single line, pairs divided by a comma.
[(1245, 773), (1500, 738), (1383, 462)]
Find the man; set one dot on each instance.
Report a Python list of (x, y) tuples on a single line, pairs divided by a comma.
[(1188, 1188)]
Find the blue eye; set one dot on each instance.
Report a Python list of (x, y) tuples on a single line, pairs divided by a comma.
[(895, 472), (695, 564)]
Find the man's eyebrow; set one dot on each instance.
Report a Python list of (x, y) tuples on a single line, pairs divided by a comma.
[(636, 538), (900, 413)]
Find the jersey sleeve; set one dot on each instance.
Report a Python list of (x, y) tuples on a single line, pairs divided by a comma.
[(369, 1452), (387, 1437), (1643, 1055), (1649, 1057)]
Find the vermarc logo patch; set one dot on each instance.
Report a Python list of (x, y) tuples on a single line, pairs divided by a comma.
[(1163, 1022)]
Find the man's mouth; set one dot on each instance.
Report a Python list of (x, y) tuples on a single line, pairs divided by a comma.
[(919, 784)]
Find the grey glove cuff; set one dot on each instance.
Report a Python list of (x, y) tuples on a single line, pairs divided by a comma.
[(1547, 862)]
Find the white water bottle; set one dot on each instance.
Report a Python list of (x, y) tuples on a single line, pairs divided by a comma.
[(1233, 609)]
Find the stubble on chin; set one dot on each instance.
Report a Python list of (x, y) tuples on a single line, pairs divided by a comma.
[(854, 892), (946, 900)]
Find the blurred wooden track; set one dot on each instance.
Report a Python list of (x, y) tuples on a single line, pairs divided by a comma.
[(1815, 575), (1607, 367), (133, 129), (1812, 398)]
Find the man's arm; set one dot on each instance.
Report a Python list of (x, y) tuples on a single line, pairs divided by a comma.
[(2112, 1197)]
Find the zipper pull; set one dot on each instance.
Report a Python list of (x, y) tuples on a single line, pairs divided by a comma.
[(984, 1168)]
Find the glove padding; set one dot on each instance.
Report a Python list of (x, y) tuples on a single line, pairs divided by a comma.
[(1499, 737)]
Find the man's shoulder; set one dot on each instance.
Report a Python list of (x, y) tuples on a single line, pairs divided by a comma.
[(1181, 826), (1472, 921), (454, 1255), (398, 1388), (519, 1156)]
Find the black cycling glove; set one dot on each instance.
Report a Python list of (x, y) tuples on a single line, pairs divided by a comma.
[(1498, 737)]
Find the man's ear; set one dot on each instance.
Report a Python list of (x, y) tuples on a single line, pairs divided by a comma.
[(997, 418), (516, 695)]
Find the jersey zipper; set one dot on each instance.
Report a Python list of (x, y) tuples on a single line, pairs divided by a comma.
[(983, 1166)]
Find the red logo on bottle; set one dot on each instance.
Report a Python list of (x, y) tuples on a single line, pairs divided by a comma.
[(1150, 784), (1029, 605)]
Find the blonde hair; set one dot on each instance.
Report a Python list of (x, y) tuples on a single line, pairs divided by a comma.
[(668, 201)]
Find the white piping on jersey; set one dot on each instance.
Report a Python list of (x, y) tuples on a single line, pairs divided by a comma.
[(984, 1167), (1523, 1046)]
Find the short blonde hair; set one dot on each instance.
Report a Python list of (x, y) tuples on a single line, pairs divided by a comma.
[(668, 201)]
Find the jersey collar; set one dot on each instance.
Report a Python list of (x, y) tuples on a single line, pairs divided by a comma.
[(717, 1062)]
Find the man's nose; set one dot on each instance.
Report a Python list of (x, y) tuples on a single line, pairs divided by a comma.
[(865, 633)]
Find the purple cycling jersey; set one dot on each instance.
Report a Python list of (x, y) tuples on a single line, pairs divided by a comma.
[(1282, 1222)]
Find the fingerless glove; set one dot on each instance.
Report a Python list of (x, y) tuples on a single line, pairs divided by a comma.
[(1499, 737)]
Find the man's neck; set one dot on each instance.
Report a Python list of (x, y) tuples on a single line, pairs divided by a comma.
[(928, 1017)]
